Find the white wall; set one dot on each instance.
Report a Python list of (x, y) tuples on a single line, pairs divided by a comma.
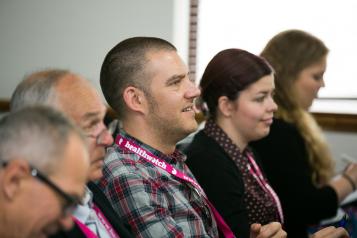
[(76, 35), (342, 144), (240, 23)]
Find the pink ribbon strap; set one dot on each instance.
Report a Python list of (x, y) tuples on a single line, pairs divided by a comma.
[(258, 176), (108, 227), (90, 234), (87, 232)]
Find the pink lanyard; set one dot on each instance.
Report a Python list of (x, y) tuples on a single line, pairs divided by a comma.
[(151, 158), (108, 227), (258, 176), (87, 232), (90, 234)]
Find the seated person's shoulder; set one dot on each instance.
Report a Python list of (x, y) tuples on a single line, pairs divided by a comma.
[(282, 124), (120, 163), (199, 143), (282, 135), (205, 149), (281, 127)]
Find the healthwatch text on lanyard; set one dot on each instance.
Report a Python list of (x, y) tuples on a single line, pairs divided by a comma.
[(125, 144), (258, 176)]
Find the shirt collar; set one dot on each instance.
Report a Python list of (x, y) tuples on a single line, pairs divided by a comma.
[(214, 131), (83, 210)]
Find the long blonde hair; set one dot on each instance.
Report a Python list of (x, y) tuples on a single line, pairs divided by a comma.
[(289, 53)]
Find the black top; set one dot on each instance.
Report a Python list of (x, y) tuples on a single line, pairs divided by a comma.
[(285, 161), (121, 228), (217, 174)]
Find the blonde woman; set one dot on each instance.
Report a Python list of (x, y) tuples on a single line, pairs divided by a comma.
[(295, 155)]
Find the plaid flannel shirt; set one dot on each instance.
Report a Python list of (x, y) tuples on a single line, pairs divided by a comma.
[(155, 203)]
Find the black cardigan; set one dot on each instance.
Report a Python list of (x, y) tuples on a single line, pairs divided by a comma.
[(122, 229), (285, 161), (217, 173)]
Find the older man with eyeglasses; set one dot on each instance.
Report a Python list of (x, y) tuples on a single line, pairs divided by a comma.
[(78, 99), (44, 165)]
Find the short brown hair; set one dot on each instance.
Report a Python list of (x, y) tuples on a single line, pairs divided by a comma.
[(124, 66)]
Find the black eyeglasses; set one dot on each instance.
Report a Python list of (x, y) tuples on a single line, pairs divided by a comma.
[(71, 202)]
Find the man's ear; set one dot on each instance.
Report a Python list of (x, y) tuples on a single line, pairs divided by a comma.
[(135, 99), (224, 106), (12, 176)]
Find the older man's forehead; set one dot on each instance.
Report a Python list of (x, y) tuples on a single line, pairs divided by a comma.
[(78, 98)]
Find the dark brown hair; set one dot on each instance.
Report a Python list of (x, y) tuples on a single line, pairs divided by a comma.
[(228, 73)]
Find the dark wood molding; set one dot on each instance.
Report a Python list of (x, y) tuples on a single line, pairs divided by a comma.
[(4, 105), (327, 121), (336, 121)]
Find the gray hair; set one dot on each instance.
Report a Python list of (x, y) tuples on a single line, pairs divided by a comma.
[(37, 89), (37, 134)]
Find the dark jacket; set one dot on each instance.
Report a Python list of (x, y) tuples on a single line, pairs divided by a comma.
[(284, 159), (122, 228), (217, 173)]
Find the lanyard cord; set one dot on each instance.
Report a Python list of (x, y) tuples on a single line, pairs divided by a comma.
[(254, 170)]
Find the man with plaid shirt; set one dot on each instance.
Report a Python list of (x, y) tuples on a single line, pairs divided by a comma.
[(148, 85)]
